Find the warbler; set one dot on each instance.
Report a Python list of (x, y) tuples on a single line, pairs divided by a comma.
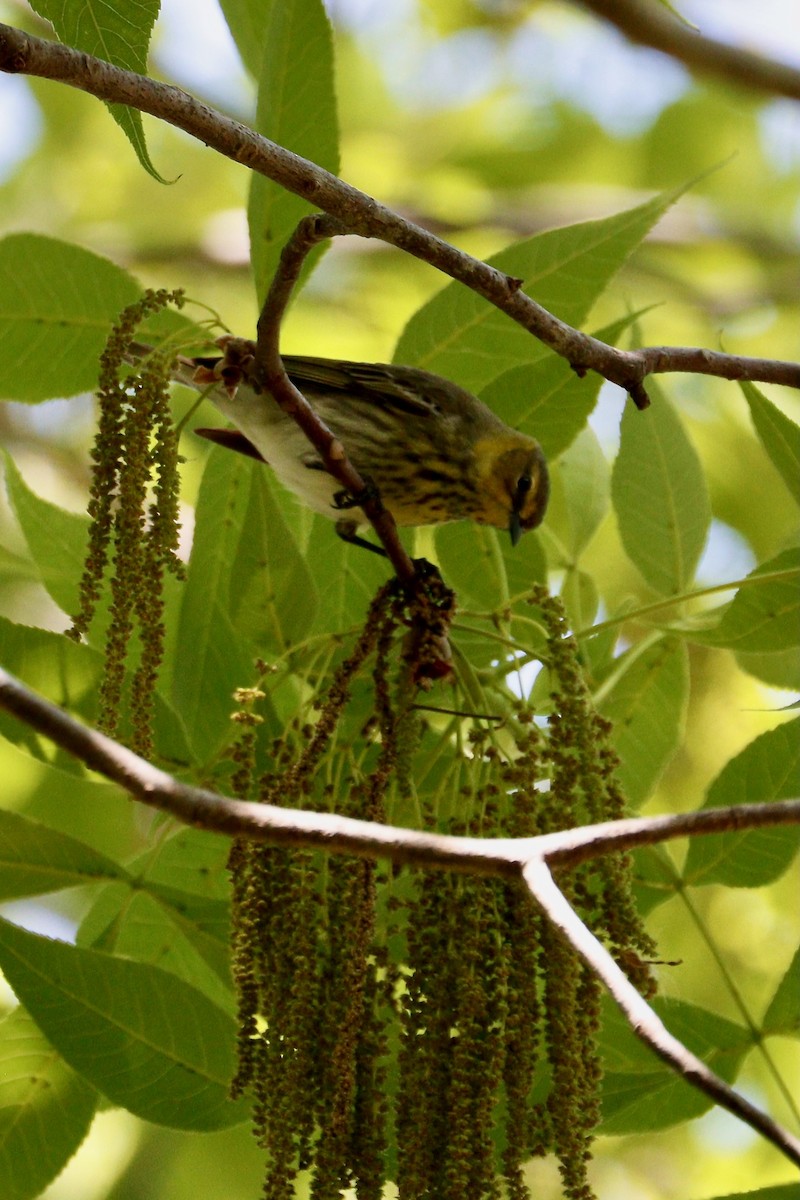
[(434, 452)]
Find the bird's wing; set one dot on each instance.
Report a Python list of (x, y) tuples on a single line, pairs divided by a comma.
[(231, 439), (392, 387)]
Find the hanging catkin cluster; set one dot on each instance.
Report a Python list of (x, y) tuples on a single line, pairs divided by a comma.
[(312, 1041), (133, 507), (427, 1027)]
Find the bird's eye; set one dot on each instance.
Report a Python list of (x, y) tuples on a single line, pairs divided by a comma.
[(523, 484)]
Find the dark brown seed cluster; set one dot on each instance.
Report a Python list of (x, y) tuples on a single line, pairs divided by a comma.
[(425, 1027), (134, 520)]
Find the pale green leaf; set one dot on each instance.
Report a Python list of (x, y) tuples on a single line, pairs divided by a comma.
[(118, 33), (62, 670), (179, 917), (660, 496), (473, 564), (97, 813), (56, 539), (191, 860), (763, 617), (141, 1036), (461, 336), (186, 935), (57, 305), (580, 494), (347, 577), (783, 1013), (768, 769), (275, 599), (35, 859), (248, 28), (45, 1109), (779, 435), (297, 109), (547, 399), (210, 660), (645, 695), (639, 1094), (580, 596), (779, 669), (484, 570)]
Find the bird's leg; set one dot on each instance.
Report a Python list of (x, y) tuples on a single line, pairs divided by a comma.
[(345, 528), (344, 500), (347, 532)]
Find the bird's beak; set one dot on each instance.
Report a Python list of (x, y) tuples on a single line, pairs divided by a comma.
[(515, 528)]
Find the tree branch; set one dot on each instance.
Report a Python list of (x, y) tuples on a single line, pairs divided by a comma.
[(362, 215), (650, 24), (510, 858), (502, 857), (644, 1022)]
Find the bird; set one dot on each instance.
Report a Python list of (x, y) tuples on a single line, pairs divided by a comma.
[(434, 452)]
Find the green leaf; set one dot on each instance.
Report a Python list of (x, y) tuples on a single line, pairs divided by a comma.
[(581, 597), (779, 436), (483, 567), (460, 335), (547, 399), (660, 496), (768, 769), (783, 1012), (762, 617), (118, 33), (296, 108), (187, 935), (580, 493), (62, 670), (210, 660), (246, 22), (347, 578), (780, 669), (45, 1109), (639, 1094), (472, 563), (275, 598), (57, 305), (64, 797), (56, 539), (179, 916), (141, 1036), (646, 694), (35, 859)]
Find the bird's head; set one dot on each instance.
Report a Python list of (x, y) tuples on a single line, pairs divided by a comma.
[(514, 483)]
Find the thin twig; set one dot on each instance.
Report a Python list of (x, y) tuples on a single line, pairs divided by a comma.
[(650, 24), (268, 373), (510, 858), (361, 214)]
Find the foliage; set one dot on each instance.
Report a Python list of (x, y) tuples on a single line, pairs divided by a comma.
[(140, 1012)]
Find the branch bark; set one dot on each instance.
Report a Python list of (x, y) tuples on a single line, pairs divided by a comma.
[(528, 859), (650, 24), (363, 215)]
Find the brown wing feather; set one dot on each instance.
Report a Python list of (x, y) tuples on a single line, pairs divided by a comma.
[(231, 439)]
